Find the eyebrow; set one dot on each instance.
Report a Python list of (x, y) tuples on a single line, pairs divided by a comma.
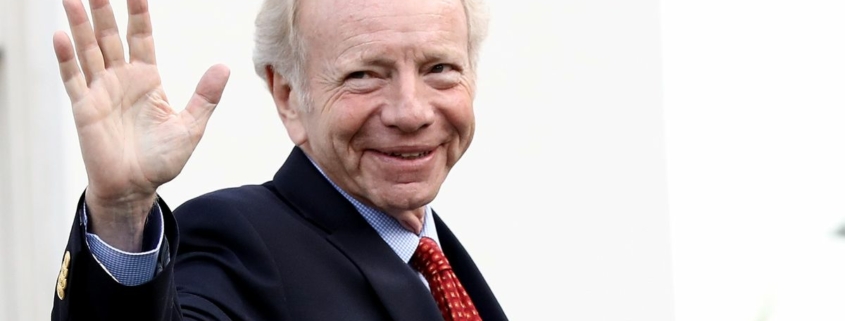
[(441, 54), (370, 58), (376, 61)]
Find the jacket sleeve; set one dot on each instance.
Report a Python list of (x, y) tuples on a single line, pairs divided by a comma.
[(86, 291)]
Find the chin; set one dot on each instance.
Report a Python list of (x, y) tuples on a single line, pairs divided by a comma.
[(404, 198)]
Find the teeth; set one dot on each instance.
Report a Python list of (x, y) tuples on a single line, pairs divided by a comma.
[(409, 155)]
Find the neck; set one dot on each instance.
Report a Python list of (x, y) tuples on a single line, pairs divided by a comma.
[(411, 220)]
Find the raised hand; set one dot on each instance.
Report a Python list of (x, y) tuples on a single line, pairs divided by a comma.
[(132, 141)]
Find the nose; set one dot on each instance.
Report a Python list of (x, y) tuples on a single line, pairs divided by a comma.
[(408, 109)]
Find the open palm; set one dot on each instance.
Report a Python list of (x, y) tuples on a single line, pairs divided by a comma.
[(132, 140)]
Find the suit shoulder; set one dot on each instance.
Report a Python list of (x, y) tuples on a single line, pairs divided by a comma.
[(247, 199), (234, 195)]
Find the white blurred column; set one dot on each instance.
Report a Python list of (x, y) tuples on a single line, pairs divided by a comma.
[(755, 113), (5, 306), (34, 215)]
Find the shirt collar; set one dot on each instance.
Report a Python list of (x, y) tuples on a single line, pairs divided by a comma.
[(403, 242)]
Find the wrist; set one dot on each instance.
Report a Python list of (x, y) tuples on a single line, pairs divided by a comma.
[(119, 222)]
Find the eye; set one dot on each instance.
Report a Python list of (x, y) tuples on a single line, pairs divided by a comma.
[(439, 68), (443, 76), (363, 81), (358, 75)]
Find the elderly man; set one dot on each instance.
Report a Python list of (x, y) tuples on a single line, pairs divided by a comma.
[(376, 95)]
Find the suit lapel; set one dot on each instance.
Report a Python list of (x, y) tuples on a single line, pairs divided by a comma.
[(398, 287), (467, 272)]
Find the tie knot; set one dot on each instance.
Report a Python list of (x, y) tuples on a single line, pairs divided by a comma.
[(428, 258)]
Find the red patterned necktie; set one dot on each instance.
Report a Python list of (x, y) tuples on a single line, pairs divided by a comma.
[(452, 299)]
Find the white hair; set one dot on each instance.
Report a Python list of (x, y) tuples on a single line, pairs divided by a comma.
[(279, 44)]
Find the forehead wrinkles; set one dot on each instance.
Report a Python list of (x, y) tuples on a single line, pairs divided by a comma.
[(339, 24), (421, 45), (400, 16)]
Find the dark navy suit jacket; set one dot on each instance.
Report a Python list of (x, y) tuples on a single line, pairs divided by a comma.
[(290, 249)]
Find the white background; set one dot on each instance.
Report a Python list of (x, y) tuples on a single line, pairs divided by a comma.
[(563, 197), (754, 94)]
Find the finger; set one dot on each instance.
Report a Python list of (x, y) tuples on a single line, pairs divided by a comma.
[(87, 50), (140, 33), (71, 76), (205, 99), (108, 36)]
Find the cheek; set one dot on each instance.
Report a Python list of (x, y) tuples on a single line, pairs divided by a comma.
[(348, 116), (459, 119), (458, 112)]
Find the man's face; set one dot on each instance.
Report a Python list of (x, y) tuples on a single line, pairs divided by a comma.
[(391, 96)]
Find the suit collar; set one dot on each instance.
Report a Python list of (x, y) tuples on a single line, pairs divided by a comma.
[(403, 242), (394, 281), (469, 275)]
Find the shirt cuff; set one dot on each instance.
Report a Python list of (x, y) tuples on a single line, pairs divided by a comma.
[(129, 268)]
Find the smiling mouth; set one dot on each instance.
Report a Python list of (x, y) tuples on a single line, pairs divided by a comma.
[(408, 155)]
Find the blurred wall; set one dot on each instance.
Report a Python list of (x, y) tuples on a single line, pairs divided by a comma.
[(34, 200), (755, 127), (561, 199)]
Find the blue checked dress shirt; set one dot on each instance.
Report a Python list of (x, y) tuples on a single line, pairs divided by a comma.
[(138, 268)]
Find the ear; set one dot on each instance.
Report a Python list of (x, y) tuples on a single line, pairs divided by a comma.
[(287, 106)]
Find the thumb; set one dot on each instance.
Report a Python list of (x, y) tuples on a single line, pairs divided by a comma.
[(205, 98)]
